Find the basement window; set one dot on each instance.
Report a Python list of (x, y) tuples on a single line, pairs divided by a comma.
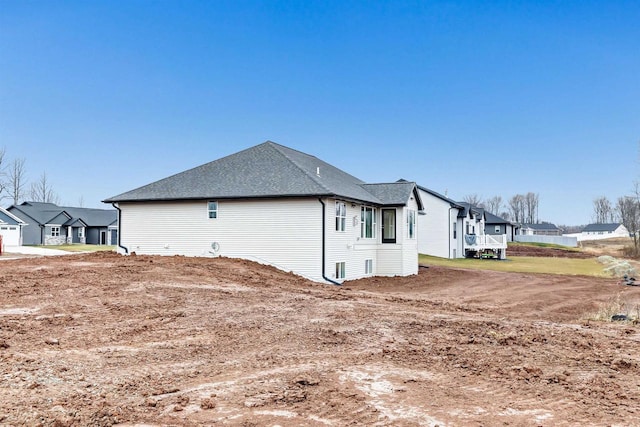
[(340, 270), (368, 266), (212, 210)]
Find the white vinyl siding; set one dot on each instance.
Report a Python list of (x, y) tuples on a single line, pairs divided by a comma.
[(436, 229), (286, 233)]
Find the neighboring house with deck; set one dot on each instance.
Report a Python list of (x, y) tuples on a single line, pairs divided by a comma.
[(450, 229), (476, 243), (50, 224), (278, 206), (10, 228)]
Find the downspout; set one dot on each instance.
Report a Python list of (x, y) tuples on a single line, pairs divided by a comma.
[(324, 232), (124, 248)]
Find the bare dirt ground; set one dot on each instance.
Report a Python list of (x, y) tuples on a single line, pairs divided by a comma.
[(101, 339)]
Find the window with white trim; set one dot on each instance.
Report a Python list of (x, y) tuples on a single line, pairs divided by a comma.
[(368, 266), (80, 232), (341, 216), (340, 270), (411, 224), (497, 230), (212, 209), (55, 231), (367, 222), (455, 230)]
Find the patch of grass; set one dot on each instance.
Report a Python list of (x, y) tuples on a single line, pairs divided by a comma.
[(525, 264), (81, 248)]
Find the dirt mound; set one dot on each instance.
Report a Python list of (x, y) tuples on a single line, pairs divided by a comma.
[(536, 251), (103, 339)]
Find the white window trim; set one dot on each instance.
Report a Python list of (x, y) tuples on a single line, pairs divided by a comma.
[(57, 233), (374, 222), (80, 232), (411, 219)]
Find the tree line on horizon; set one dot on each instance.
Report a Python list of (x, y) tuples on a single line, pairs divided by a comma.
[(520, 208)]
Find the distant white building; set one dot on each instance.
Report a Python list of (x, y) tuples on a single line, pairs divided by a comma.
[(603, 231)]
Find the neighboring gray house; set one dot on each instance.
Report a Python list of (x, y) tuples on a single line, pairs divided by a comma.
[(276, 205), (495, 225), (50, 224), (10, 228), (544, 229)]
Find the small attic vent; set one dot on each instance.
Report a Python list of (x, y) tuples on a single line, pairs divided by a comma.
[(318, 171)]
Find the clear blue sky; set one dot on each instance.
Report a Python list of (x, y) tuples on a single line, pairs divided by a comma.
[(492, 98)]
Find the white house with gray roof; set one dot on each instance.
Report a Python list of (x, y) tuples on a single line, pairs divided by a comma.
[(278, 206), (449, 229), (603, 231)]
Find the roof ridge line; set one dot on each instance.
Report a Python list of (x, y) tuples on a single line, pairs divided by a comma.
[(310, 175)]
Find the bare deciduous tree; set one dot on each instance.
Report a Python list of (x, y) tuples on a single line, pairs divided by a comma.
[(42, 191), (531, 201), (493, 204), (602, 210), (516, 208), (628, 210), (473, 199), (17, 180), (3, 175)]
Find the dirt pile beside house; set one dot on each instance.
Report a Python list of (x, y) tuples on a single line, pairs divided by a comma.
[(537, 251), (101, 340)]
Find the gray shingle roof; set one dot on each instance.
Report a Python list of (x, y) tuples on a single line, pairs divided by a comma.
[(602, 227), (393, 194), (44, 213), (440, 196), (543, 226), (263, 171), (466, 207), (494, 219), (7, 217)]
